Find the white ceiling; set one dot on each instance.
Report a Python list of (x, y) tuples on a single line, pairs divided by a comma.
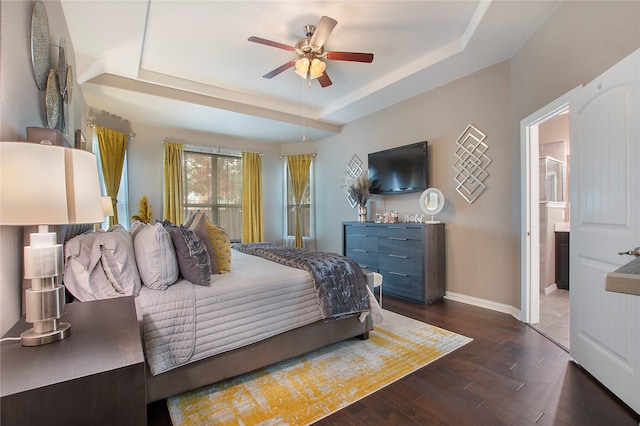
[(188, 64)]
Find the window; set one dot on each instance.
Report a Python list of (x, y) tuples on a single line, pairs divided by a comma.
[(123, 192), (213, 184), (307, 210)]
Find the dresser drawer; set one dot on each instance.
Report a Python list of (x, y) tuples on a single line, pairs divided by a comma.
[(407, 265), (400, 247), (365, 259), (363, 229), (400, 231), (405, 287), (362, 243)]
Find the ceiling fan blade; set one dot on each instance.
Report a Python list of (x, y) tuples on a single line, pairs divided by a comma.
[(280, 69), (271, 43), (324, 80), (350, 56), (323, 29)]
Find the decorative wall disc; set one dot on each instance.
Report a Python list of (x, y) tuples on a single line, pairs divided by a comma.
[(52, 100), (471, 163), (62, 65), (40, 59), (65, 116), (69, 90)]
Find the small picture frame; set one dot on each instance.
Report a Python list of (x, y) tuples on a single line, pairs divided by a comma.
[(81, 142)]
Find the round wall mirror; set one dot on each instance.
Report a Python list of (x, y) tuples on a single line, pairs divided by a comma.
[(432, 201)]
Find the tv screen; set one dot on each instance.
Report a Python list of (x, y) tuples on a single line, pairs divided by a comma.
[(399, 170)]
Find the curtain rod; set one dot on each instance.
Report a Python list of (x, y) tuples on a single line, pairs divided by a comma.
[(132, 136), (285, 156), (210, 149)]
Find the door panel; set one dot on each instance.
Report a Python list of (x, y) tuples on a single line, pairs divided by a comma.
[(605, 219)]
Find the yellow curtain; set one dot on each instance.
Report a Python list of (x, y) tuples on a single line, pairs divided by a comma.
[(252, 216), (173, 207), (299, 172), (113, 145)]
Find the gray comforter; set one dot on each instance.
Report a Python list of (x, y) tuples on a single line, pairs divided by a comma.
[(341, 286)]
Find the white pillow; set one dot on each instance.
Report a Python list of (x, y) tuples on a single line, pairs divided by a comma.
[(118, 260), (101, 265), (156, 256), (82, 277)]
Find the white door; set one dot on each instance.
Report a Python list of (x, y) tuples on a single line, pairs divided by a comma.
[(605, 220)]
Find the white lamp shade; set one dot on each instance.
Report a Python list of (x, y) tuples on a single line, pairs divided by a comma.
[(44, 184), (83, 187), (107, 206)]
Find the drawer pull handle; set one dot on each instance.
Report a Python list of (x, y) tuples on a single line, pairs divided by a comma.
[(397, 255), (397, 227), (358, 235), (398, 273), (360, 251), (397, 238)]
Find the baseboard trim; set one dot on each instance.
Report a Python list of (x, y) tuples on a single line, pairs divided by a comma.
[(483, 303)]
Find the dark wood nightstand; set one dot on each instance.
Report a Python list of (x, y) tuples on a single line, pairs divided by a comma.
[(95, 376)]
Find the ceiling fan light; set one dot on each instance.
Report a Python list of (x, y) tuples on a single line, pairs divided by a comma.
[(302, 67), (317, 68)]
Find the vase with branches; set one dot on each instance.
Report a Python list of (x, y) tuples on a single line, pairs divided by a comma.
[(359, 190)]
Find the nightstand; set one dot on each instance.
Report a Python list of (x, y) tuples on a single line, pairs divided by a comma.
[(95, 376)]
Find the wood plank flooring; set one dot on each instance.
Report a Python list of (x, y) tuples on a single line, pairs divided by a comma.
[(509, 375)]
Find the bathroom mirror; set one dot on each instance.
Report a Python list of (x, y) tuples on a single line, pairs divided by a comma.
[(432, 202)]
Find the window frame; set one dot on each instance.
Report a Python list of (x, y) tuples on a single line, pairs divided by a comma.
[(213, 208)]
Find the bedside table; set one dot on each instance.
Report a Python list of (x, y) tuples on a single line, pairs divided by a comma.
[(95, 376)]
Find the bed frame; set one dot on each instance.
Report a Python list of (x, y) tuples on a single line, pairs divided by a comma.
[(257, 355)]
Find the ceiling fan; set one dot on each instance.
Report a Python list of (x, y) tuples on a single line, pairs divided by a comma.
[(310, 51)]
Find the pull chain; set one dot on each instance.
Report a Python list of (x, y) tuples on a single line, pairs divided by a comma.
[(304, 129)]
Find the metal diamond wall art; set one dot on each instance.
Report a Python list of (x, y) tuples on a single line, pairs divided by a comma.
[(354, 169), (471, 163)]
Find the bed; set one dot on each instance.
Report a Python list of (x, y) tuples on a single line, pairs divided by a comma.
[(258, 313)]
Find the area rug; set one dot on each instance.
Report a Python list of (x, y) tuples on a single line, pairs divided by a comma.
[(312, 386)]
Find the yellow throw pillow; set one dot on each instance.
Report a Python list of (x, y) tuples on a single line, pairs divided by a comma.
[(221, 245)]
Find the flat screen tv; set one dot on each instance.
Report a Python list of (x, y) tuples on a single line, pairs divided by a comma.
[(399, 170)]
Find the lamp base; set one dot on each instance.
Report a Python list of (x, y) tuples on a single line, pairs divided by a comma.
[(31, 338)]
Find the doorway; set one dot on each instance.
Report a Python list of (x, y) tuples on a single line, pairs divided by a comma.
[(554, 148), (545, 220)]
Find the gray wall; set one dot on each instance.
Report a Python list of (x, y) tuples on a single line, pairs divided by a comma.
[(22, 106)]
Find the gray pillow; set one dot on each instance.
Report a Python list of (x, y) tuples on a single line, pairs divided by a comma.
[(193, 259), (155, 255)]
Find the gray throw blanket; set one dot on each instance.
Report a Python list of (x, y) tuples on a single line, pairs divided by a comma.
[(341, 286)]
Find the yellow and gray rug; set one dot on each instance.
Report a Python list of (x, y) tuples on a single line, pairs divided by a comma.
[(310, 387)]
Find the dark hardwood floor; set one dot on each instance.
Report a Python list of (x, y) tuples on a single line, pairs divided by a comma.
[(509, 374)]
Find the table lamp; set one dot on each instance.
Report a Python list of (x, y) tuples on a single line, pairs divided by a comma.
[(44, 185)]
